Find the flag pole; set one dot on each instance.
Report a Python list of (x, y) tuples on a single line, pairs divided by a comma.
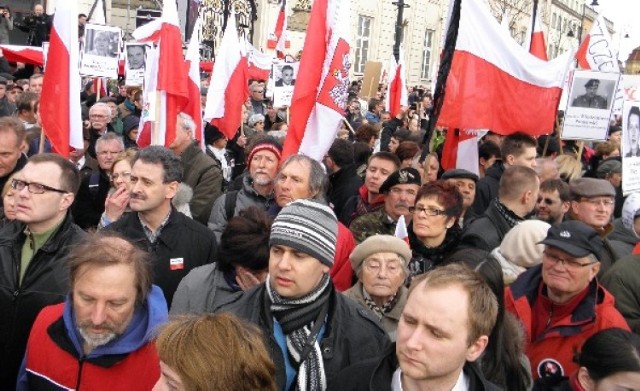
[(349, 126), (41, 143), (98, 88)]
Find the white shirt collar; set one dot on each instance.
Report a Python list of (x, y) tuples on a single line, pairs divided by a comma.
[(461, 385)]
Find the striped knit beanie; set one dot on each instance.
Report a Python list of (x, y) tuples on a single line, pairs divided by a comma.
[(309, 227)]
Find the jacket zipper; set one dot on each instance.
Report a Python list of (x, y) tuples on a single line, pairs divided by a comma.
[(81, 363), (550, 316)]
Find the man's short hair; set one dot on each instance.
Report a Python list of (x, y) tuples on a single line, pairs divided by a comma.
[(515, 180), (551, 185), (365, 132), (488, 149), (318, 181), (341, 152), (483, 304), (109, 248), (169, 161), (81, 16), (515, 144), (635, 110), (11, 124), (187, 122), (108, 137), (388, 156), (103, 106), (36, 76), (407, 150), (25, 102), (70, 177), (373, 103), (286, 68)]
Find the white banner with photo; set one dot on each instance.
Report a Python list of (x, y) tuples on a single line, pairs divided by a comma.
[(284, 76), (135, 63), (589, 105), (630, 148), (101, 51)]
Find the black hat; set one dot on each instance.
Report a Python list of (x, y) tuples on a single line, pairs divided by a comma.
[(457, 173), (592, 83), (404, 176), (575, 238), (212, 134), (129, 122)]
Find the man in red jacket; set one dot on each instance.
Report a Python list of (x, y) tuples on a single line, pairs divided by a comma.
[(560, 302), (100, 338)]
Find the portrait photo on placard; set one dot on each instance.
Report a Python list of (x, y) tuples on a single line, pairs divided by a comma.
[(286, 75), (631, 129), (101, 51), (592, 93), (135, 63)]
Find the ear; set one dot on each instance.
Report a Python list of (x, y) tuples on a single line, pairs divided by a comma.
[(566, 206), (67, 200), (595, 269), (477, 348), (509, 159), (325, 268), (574, 207), (526, 197), (172, 189), (585, 380)]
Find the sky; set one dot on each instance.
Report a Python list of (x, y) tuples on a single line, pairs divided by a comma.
[(625, 15)]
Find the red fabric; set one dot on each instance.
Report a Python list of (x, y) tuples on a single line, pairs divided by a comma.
[(257, 73), (538, 46), (138, 371), (54, 106), (206, 66), (341, 272), (235, 96), (309, 75), (555, 346), (24, 54), (581, 54), (545, 312), (395, 89), (473, 82), (102, 81), (636, 249)]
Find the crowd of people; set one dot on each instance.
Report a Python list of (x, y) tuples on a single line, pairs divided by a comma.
[(230, 267)]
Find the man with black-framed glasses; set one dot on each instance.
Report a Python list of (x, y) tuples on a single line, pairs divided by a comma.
[(560, 302), (32, 252)]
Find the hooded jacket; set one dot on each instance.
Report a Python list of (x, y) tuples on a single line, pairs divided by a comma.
[(487, 187), (55, 357)]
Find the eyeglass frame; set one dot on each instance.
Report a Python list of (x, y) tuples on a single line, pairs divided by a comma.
[(125, 174), (15, 184), (432, 212), (566, 262)]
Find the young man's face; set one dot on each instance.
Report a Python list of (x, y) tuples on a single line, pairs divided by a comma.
[(135, 55), (293, 273)]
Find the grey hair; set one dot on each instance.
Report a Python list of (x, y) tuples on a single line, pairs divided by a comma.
[(592, 258), (169, 161), (318, 181), (102, 105), (255, 118), (187, 122), (107, 137)]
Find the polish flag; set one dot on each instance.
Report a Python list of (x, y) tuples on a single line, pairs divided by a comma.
[(397, 95), (193, 108), (25, 54), (596, 51), (538, 46), (100, 85), (60, 99), (401, 230), (278, 40), (501, 86), (460, 151), (259, 63), (149, 98), (320, 95), (172, 77), (228, 89)]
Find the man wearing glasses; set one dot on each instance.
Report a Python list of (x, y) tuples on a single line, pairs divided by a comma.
[(32, 252), (560, 302), (593, 201)]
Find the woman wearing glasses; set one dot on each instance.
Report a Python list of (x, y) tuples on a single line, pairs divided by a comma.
[(434, 232), (380, 263)]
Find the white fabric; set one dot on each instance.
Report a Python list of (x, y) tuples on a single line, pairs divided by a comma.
[(396, 380), (221, 155), (462, 384)]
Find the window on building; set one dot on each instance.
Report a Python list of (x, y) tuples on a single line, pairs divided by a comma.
[(425, 72), (553, 20), (362, 42)]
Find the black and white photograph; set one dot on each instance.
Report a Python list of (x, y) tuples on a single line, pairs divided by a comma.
[(630, 148), (101, 51), (135, 63), (285, 75), (589, 105)]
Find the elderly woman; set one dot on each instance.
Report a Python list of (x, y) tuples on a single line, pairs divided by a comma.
[(380, 263), (434, 229), (256, 126)]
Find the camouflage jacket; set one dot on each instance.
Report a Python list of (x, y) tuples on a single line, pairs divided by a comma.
[(372, 223)]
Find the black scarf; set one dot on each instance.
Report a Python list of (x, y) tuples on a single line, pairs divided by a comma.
[(511, 218), (301, 320)]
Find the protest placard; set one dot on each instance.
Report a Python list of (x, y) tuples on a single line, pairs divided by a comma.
[(101, 51)]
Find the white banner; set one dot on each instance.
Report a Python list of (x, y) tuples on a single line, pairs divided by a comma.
[(284, 76), (101, 51)]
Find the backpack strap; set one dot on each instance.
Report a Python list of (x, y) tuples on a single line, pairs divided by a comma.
[(230, 203)]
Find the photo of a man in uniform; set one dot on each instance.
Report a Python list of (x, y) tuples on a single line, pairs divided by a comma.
[(286, 78), (591, 99), (633, 132)]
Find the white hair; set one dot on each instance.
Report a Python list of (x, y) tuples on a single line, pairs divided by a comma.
[(104, 106), (187, 122)]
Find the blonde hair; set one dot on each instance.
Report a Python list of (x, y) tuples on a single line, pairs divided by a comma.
[(216, 353), (569, 168)]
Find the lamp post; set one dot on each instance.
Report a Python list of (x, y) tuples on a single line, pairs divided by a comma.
[(594, 3), (396, 45)]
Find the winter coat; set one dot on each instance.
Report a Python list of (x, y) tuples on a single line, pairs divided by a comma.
[(182, 245), (6, 24), (55, 355), (344, 185), (351, 334), (623, 281), (426, 258), (487, 188), (45, 282), (204, 176), (487, 231), (376, 374), (621, 239), (88, 205)]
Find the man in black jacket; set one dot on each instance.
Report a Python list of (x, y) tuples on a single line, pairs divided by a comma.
[(311, 330), (33, 273), (517, 149), (443, 329), (176, 243), (343, 175)]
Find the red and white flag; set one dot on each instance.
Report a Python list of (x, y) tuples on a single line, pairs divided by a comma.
[(194, 108), (172, 75), (501, 86), (460, 151), (538, 46), (401, 230), (321, 91), (397, 95), (228, 89), (100, 86), (596, 51), (60, 99), (259, 63), (26, 54), (278, 40), (149, 94)]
